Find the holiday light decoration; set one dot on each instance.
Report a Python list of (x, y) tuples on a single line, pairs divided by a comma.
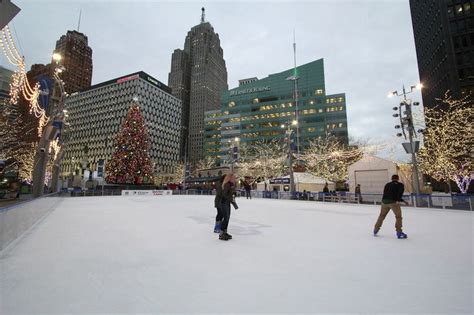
[(206, 163), (449, 141), (20, 85), (131, 163), (328, 158), (54, 149), (262, 159), (26, 161)]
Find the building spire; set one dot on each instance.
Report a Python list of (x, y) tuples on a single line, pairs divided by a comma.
[(79, 22), (203, 14)]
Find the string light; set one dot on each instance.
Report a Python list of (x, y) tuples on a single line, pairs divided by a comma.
[(448, 140), (20, 85), (329, 159)]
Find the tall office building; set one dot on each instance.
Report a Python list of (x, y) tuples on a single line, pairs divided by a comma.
[(256, 109), (198, 76), (444, 40), (97, 113), (77, 59)]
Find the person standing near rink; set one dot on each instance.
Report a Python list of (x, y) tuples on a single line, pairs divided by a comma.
[(217, 205), (227, 198), (392, 196)]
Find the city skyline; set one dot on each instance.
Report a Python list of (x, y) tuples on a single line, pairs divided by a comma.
[(368, 46)]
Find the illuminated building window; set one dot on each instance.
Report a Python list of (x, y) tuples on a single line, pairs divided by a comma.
[(318, 92), (231, 104)]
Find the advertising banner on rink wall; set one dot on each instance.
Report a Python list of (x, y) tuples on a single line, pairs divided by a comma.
[(147, 192)]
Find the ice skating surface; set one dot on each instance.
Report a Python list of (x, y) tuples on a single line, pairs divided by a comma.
[(160, 255)]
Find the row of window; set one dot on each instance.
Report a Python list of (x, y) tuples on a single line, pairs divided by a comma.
[(460, 9)]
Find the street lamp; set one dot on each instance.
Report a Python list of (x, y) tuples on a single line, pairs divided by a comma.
[(405, 115), (289, 132), (57, 114)]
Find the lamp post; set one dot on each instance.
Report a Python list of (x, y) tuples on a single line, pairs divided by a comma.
[(234, 152), (289, 132), (407, 125), (186, 169), (57, 113)]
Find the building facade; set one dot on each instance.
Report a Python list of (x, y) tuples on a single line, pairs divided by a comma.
[(76, 59), (5, 80), (198, 77), (96, 115), (256, 110), (444, 40)]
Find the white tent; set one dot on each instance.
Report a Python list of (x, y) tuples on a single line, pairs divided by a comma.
[(303, 181)]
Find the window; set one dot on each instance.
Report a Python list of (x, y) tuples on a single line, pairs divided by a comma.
[(450, 12), (458, 9), (467, 7)]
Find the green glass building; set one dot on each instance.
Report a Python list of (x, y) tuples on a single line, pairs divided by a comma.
[(257, 109)]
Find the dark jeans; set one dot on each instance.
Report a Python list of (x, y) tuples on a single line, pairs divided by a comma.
[(219, 215), (225, 210), (247, 193)]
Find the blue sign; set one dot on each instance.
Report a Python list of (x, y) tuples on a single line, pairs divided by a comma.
[(46, 90)]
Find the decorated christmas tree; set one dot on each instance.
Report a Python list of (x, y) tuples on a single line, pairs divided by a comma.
[(131, 163)]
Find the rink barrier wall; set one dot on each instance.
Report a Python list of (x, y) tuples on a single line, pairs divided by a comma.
[(15, 220), (455, 202)]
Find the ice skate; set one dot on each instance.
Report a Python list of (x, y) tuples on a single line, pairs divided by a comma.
[(401, 235)]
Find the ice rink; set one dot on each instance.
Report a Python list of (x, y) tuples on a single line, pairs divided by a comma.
[(160, 255)]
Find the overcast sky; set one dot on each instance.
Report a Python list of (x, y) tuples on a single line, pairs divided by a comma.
[(367, 45)]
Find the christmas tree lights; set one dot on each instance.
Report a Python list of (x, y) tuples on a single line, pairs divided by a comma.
[(131, 163)]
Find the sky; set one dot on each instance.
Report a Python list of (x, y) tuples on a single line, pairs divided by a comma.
[(367, 45)]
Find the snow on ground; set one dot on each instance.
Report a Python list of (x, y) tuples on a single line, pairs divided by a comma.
[(159, 254)]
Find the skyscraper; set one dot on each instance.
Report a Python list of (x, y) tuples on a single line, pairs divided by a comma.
[(444, 40), (77, 59), (198, 76)]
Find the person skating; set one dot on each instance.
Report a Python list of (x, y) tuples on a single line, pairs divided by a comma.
[(227, 196), (358, 193), (392, 196), (247, 188), (217, 205)]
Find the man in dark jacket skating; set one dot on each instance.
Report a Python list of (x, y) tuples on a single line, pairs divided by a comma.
[(392, 196)]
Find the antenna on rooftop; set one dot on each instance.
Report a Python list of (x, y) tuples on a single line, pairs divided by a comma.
[(203, 14), (79, 22)]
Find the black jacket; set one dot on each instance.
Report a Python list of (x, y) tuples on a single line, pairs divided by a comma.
[(227, 193), (393, 192), (218, 199)]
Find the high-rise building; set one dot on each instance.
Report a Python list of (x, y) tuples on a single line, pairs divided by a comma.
[(5, 80), (444, 40), (256, 109), (77, 60), (97, 113), (198, 76)]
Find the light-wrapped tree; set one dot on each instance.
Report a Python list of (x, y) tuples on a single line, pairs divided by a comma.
[(262, 159), (448, 151), (131, 163), (328, 158)]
